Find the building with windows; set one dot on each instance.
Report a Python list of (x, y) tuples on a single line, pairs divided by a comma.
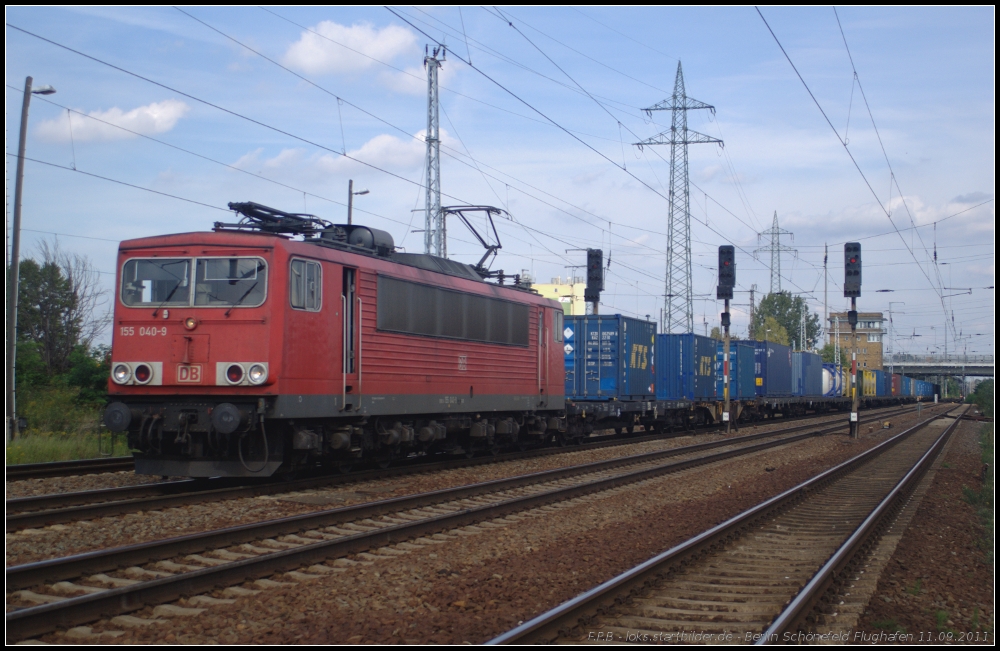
[(869, 337), (568, 291)]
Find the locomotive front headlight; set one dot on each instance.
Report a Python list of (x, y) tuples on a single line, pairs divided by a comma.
[(143, 373), (190, 323), (257, 374), (121, 373), (234, 374)]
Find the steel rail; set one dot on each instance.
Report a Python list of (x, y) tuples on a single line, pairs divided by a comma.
[(22, 471), (547, 626), (44, 510), (75, 610)]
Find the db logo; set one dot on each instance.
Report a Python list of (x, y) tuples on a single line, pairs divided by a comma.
[(190, 373)]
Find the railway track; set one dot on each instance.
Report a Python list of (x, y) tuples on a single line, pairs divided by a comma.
[(759, 576), (19, 472), (79, 589), (45, 510)]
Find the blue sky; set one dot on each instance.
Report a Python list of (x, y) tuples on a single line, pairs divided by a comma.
[(542, 126)]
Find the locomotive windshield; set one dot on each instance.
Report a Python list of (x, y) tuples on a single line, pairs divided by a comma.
[(162, 281), (218, 282)]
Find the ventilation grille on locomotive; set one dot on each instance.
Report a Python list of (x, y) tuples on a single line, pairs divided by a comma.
[(416, 309)]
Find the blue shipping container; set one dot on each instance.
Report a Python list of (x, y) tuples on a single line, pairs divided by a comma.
[(879, 383), (685, 367), (741, 376), (807, 374), (772, 368), (609, 357)]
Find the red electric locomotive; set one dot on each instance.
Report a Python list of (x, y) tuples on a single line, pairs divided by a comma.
[(246, 350)]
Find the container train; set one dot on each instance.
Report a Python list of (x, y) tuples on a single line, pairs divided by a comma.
[(284, 342)]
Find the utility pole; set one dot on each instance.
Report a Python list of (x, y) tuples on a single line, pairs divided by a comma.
[(435, 239), (753, 288), (678, 301), (826, 277), (10, 430), (775, 247)]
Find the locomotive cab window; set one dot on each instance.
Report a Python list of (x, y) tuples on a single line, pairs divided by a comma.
[(557, 325), (156, 282), (230, 282), (305, 287)]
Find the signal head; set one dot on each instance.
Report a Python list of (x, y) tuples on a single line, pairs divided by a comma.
[(852, 269)]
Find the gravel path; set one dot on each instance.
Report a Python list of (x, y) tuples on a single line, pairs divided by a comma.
[(472, 584)]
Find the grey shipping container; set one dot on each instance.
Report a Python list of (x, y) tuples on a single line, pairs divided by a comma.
[(772, 368), (609, 357), (807, 374), (741, 372), (685, 367)]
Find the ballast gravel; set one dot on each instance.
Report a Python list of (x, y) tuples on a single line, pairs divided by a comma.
[(472, 584)]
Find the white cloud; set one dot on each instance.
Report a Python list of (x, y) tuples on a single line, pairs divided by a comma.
[(384, 151), (314, 54), (158, 117)]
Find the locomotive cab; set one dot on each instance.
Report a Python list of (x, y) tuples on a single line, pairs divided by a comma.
[(191, 354)]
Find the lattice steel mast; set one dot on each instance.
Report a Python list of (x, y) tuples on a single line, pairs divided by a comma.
[(678, 302), (435, 240), (775, 247)]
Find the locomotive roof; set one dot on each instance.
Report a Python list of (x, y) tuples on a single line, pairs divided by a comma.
[(252, 239)]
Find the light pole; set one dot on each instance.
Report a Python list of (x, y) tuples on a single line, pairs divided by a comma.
[(350, 199), (15, 254)]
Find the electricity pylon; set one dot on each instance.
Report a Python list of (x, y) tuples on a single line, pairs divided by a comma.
[(678, 302)]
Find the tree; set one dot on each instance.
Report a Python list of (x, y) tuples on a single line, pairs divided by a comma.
[(770, 330), (59, 307), (716, 333), (828, 355), (787, 311)]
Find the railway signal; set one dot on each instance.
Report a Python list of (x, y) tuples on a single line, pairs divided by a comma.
[(727, 272), (727, 281), (852, 290), (595, 276), (852, 270)]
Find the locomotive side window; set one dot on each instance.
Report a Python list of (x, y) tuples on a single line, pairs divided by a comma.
[(230, 282), (557, 328), (305, 288), (156, 282), (416, 309)]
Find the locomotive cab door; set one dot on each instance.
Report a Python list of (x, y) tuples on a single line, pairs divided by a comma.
[(351, 335)]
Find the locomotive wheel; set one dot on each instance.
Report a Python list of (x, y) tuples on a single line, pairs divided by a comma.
[(383, 459), (344, 466)]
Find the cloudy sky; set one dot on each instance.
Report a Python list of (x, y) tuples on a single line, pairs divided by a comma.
[(163, 117)]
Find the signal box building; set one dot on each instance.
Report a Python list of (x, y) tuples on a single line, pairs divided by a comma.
[(869, 337)]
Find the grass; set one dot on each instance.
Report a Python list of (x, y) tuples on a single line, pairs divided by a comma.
[(35, 447), (982, 499), (915, 589), (60, 428)]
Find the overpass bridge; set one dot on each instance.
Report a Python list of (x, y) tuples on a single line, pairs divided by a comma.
[(929, 366)]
